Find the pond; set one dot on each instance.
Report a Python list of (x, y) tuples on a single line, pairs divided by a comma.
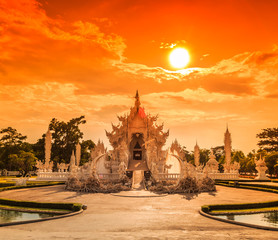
[(7, 216), (269, 219)]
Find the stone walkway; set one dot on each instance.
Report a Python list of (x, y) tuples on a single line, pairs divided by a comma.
[(113, 217)]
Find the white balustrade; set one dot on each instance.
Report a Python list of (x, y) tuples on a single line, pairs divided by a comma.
[(52, 176)]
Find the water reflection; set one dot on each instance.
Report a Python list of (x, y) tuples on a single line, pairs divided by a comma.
[(269, 219), (7, 216)]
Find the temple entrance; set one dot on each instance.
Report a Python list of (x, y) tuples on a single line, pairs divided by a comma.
[(137, 157)]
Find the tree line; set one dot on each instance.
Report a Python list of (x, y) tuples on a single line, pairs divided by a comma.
[(18, 155)]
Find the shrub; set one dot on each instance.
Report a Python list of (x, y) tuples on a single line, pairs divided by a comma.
[(29, 204), (208, 208)]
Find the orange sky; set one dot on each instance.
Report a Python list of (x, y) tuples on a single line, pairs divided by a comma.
[(67, 58)]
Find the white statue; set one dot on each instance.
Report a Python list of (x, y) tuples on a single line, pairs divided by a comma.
[(261, 168), (212, 164)]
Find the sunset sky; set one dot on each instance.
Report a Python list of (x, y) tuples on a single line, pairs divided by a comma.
[(64, 59)]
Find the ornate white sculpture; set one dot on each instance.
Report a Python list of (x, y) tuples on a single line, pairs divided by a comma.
[(261, 168), (212, 164), (137, 141), (62, 167)]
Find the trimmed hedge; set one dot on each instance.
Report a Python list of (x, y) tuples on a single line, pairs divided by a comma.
[(209, 208), (65, 206), (244, 180), (260, 185), (30, 186), (6, 184), (257, 187)]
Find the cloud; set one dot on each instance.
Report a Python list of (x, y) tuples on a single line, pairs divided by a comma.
[(243, 74), (50, 67), (36, 48)]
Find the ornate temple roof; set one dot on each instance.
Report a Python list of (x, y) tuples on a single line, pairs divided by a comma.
[(137, 121)]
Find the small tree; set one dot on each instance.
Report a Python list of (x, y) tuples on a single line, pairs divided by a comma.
[(11, 142), (250, 162), (86, 147), (204, 156), (23, 161)]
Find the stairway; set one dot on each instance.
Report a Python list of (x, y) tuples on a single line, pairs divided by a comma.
[(138, 180)]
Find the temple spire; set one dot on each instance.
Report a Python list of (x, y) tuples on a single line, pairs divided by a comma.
[(137, 100), (227, 127), (196, 155)]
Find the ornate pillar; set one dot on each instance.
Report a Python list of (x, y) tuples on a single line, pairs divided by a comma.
[(78, 154), (47, 147)]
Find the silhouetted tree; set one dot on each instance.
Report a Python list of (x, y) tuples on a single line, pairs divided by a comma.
[(23, 161), (65, 136), (86, 147), (11, 142), (204, 156), (268, 139), (271, 161)]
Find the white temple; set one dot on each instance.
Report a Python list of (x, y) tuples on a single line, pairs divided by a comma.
[(137, 142)]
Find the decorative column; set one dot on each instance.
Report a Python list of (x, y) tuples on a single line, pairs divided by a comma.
[(78, 154), (72, 162), (197, 155), (47, 148), (228, 150)]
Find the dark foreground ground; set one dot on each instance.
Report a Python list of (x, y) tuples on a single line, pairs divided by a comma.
[(114, 217)]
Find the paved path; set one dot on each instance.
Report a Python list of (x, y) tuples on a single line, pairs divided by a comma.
[(112, 217)]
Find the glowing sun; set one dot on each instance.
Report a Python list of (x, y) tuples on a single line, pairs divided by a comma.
[(179, 58)]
